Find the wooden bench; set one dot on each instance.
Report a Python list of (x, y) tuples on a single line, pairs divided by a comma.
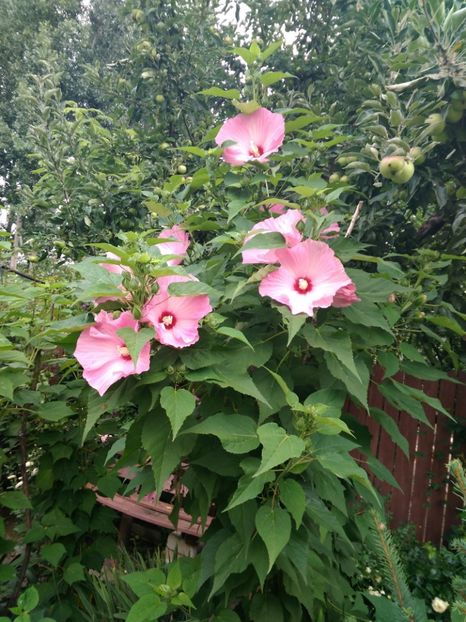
[(150, 510)]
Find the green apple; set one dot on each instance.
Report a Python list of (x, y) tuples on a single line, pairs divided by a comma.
[(137, 15), (397, 168), (417, 155), (454, 114), (436, 123)]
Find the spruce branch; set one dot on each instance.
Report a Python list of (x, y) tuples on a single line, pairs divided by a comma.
[(392, 568)]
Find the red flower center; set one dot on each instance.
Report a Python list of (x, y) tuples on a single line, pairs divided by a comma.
[(124, 352), (168, 320), (303, 285), (255, 150)]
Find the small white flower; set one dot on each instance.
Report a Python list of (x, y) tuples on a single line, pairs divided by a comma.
[(71, 160), (439, 605), (368, 570), (372, 591)]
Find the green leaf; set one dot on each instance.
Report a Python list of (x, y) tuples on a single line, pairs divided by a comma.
[(293, 323), (293, 498), (178, 404), (229, 559), (247, 107), (335, 341), (15, 500), (411, 353), (247, 55), (266, 608), (148, 608), (274, 527), (191, 288), (12, 356), (98, 405), (56, 524), (391, 428), (366, 314), (265, 240), (53, 553), (165, 453), (420, 370), (386, 610), (142, 582), (291, 398), (271, 49), (270, 77), (215, 91), (234, 334), (389, 362), (227, 377), (227, 615), (194, 150), (394, 393), (237, 433), (330, 425), (446, 322), (381, 472), (29, 599), (135, 340), (420, 396), (10, 379), (302, 121), (174, 577), (74, 573), (249, 487), (54, 411), (277, 446), (358, 387), (7, 573)]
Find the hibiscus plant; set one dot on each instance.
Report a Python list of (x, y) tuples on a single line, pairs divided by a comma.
[(227, 340), (220, 347)]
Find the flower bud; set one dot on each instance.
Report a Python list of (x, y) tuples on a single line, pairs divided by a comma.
[(439, 605)]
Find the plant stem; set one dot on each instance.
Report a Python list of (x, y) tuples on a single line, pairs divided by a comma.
[(24, 475)]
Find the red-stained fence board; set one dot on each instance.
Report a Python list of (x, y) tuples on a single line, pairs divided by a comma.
[(452, 513), (403, 468), (434, 524), (425, 499)]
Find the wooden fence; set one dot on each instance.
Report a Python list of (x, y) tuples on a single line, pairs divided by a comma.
[(426, 497)]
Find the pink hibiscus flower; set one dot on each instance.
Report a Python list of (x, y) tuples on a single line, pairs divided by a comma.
[(115, 269), (285, 224), (332, 230), (345, 296), (104, 355), (175, 318), (256, 135), (178, 247), (309, 276)]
